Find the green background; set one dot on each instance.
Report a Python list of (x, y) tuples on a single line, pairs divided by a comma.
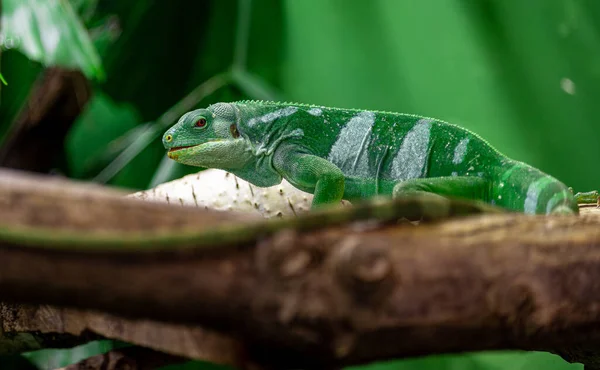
[(523, 74)]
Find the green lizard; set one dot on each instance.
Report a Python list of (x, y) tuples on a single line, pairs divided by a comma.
[(356, 154)]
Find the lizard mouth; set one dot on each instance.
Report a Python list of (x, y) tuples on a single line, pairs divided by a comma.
[(177, 151), (174, 149)]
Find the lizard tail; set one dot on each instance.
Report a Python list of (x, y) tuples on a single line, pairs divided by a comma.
[(529, 190)]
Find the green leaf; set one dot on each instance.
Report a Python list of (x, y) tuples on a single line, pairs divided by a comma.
[(49, 359), (489, 360), (50, 32), (521, 360)]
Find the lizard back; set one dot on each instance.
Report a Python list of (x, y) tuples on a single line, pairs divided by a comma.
[(373, 149)]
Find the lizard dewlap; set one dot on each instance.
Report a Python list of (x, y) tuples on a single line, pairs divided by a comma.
[(355, 154)]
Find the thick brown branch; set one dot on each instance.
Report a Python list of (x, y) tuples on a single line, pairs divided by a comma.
[(36, 140), (337, 296)]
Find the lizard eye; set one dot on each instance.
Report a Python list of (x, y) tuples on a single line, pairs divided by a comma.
[(201, 122)]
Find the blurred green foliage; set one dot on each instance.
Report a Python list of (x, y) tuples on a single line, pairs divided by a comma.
[(523, 74), (50, 32)]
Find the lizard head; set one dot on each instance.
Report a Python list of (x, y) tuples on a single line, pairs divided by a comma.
[(208, 138)]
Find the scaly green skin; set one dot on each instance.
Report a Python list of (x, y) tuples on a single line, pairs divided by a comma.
[(356, 154)]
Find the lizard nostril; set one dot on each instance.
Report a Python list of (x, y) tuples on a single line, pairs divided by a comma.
[(169, 138)]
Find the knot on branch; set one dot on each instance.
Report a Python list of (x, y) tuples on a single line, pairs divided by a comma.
[(281, 257), (365, 271)]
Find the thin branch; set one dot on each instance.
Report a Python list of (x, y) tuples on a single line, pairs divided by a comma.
[(33, 327), (25, 328)]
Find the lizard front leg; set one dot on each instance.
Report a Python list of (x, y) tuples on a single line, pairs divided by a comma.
[(312, 174)]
